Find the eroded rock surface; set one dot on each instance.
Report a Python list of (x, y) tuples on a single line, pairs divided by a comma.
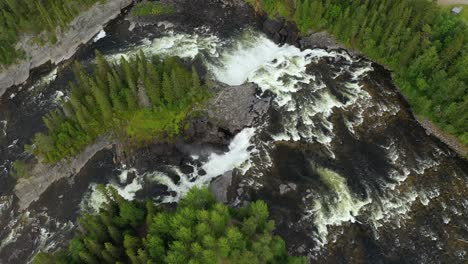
[(42, 175), (81, 30)]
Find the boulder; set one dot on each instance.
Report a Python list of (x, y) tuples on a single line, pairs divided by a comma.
[(236, 107)]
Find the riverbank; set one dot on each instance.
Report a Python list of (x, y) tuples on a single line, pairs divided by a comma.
[(42, 175), (283, 30), (451, 141), (229, 110), (81, 30)]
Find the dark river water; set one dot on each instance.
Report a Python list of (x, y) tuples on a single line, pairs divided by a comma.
[(349, 175)]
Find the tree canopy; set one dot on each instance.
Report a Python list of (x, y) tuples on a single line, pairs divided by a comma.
[(137, 100), (40, 19), (200, 230)]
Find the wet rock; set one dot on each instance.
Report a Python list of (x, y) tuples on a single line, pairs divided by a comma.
[(231, 109), (223, 16), (272, 26), (319, 40), (236, 107), (281, 31), (186, 169), (42, 175), (220, 187), (292, 33), (81, 30), (6, 203), (285, 188)]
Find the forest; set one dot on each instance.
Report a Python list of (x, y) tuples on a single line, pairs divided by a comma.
[(136, 101), (424, 46), (199, 231), (41, 19)]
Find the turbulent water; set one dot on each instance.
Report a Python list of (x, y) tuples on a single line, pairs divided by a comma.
[(347, 172)]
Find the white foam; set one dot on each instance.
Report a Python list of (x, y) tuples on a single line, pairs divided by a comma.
[(220, 163), (237, 157), (47, 79), (100, 35), (283, 71), (94, 199), (337, 206), (3, 127), (173, 44)]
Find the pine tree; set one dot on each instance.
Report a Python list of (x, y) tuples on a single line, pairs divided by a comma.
[(102, 67), (87, 258), (112, 250), (93, 247), (103, 102), (167, 89)]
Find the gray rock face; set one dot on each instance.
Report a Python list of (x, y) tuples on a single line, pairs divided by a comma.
[(81, 30), (42, 175), (236, 107), (281, 31), (220, 186), (231, 109), (319, 40)]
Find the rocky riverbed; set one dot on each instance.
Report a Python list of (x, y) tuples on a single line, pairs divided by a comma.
[(320, 133)]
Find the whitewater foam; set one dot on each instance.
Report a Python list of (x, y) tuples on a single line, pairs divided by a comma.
[(173, 44), (100, 35), (337, 206), (94, 199), (237, 157)]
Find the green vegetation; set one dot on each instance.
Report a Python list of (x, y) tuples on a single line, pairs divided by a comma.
[(152, 8), (18, 17), (463, 13), (138, 101), (200, 231), (425, 46), (20, 169)]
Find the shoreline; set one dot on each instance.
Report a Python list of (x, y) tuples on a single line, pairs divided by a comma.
[(281, 32), (81, 30), (30, 189), (452, 142)]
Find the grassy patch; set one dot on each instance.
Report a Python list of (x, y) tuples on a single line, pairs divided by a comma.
[(152, 8), (162, 124)]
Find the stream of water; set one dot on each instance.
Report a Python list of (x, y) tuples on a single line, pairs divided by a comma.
[(339, 159)]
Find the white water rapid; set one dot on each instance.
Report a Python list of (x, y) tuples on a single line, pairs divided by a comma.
[(306, 101)]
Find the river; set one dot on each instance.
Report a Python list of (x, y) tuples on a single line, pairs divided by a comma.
[(348, 174)]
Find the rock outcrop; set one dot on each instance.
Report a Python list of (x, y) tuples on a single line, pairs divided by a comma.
[(236, 107), (42, 175), (231, 109), (81, 30)]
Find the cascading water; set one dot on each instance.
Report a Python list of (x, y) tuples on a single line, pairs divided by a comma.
[(237, 157), (306, 99), (335, 132)]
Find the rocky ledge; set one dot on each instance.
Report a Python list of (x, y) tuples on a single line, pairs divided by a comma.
[(81, 30), (229, 110), (42, 175)]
